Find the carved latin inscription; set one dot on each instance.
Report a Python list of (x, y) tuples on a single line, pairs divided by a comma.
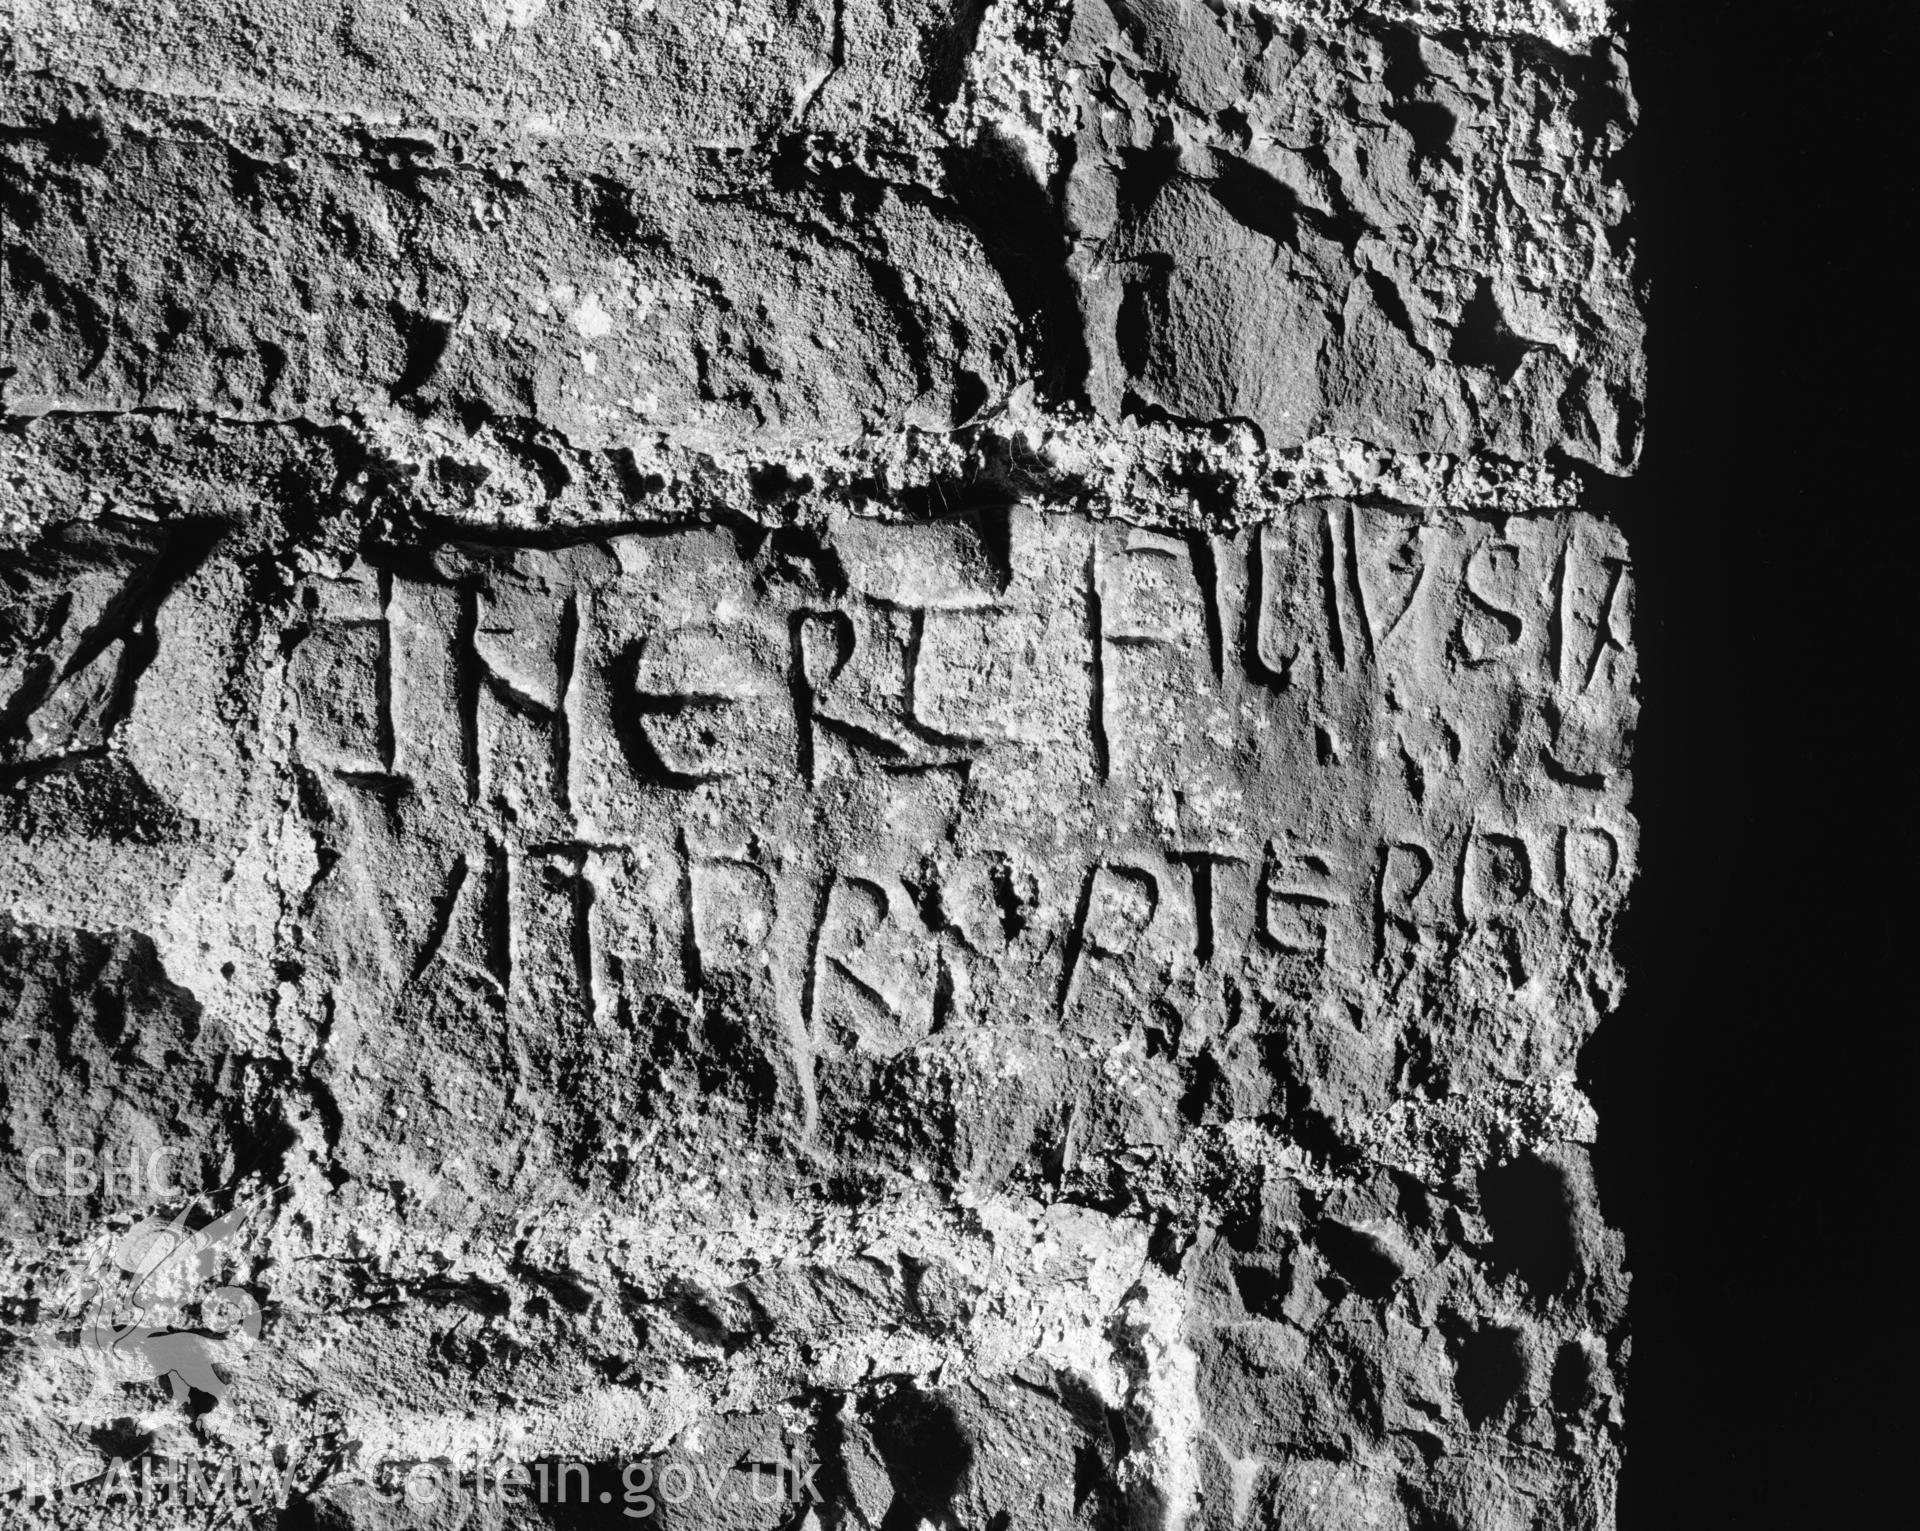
[(883, 782)]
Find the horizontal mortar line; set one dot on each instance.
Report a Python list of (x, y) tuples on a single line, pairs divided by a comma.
[(1329, 15), (1280, 457), (346, 115), (76, 409), (1273, 462)]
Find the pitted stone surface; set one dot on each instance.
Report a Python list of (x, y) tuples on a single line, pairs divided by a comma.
[(1404, 238), (865, 747)]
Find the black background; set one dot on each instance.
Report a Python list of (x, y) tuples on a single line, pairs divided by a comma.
[(1756, 1088)]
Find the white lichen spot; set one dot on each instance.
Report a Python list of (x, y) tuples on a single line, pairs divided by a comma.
[(517, 13), (591, 319)]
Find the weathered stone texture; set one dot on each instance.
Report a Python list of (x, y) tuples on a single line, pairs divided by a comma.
[(861, 745), (1381, 234), (597, 294)]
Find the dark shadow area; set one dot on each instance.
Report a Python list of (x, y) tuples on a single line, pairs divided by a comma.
[(1755, 1089), (925, 1452), (1490, 1371)]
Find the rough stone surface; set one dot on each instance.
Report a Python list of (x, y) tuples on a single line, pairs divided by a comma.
[(864, 750)]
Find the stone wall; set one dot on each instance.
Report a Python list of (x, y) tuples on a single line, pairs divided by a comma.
[(863, 756)]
